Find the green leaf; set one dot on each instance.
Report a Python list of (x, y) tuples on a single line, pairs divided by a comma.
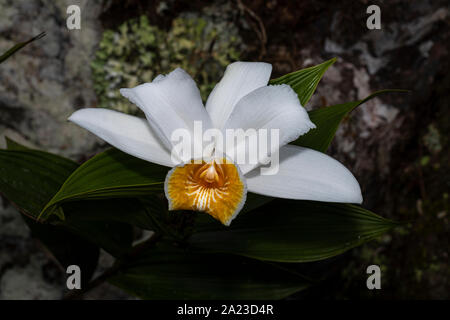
[(305, 81), (19, 46), (291, 231), (93, 221), (13, 145), (169, 273), (179, 224), (255, 201), (173, 224), (29, 179), (110, 174), (67, 247), (327, 121), (125, 210)]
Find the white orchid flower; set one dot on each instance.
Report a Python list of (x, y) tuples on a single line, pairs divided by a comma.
[(242, 99)]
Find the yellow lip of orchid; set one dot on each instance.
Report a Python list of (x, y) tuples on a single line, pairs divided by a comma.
[(216, 187), (243, 99)]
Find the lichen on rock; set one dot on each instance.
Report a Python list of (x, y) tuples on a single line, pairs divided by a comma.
[(138, 51)]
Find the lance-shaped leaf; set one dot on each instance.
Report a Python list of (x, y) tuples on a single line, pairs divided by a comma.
[(178, 224), (170, 273), (305, 81), (125, 210), (291, 231), (19, 46), (327, 121), (94, 222), (29, 179), (110, 174), (67, 247)]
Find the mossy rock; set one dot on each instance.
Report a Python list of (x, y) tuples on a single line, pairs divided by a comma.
[(137, 52)]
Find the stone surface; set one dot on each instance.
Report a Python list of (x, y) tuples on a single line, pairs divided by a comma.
[(25, 271), (28, 283), (40, 87), (45, 82)]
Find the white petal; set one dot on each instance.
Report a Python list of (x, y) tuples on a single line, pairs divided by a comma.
[(130, 134), (306, 174), (240, 78), (271, 108), (170, 102)]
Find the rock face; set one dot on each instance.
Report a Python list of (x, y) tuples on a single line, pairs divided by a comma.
[(40, 87), (44, 83), (395, 144)]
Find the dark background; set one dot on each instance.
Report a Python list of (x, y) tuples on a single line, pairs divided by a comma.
[(396, 145)]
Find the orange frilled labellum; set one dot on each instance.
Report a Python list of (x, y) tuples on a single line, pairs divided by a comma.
[(214, 187)]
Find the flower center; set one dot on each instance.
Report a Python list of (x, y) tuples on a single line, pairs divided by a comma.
[(216, 188), (210, 174)]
